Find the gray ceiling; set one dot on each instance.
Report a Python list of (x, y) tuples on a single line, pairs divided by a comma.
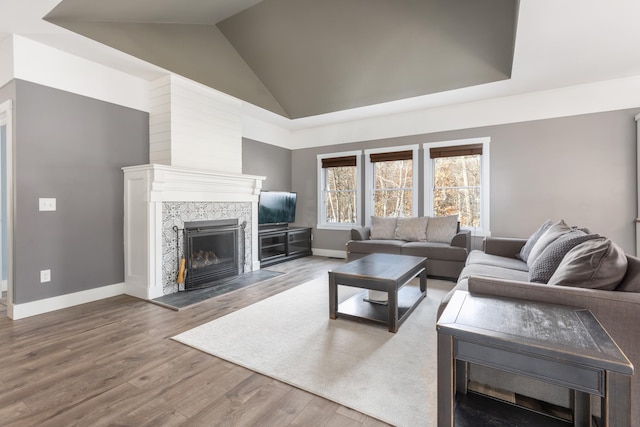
[(302, 58)]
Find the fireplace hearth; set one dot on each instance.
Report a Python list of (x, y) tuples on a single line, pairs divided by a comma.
[(213, 250)]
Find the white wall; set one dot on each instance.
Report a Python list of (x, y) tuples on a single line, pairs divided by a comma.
[(602, 96), (42, 64), (6, 60)]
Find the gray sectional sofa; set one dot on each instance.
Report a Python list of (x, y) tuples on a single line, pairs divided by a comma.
[(595, 274), (446, 251)]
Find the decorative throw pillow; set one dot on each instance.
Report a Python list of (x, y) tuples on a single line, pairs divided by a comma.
[(412, 229), (631, 280), (526, 249), (383, 228), (594, 264), (546, 264), (556, 230), (442, 228)]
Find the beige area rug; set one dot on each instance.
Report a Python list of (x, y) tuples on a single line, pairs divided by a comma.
[(289, 337)]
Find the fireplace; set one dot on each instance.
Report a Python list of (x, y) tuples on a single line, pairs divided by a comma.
[(214, 250), (159, 200)]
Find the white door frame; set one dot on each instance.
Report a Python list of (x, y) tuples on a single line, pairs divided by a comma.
[(6, 118)]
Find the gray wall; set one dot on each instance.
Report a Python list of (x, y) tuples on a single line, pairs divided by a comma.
[(267, 160), (72, 148), (581, 169)]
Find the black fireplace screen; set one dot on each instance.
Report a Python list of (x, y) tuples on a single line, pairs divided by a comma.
[(213, 250)]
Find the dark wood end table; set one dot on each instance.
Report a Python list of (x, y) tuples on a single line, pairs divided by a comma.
[(379, 272), (561, 345)]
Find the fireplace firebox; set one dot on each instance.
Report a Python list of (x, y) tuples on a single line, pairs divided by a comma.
[(213, 250)]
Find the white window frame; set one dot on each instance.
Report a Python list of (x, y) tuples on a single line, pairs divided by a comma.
[(485, 220), (322, 224), (369, 182)]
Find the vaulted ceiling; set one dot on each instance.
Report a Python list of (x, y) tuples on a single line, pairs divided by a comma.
[(301, 58)]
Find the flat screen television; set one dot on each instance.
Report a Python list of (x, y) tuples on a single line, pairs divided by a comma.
[(276, 207)]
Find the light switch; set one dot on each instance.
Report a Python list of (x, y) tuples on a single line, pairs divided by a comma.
[(45, 276), (47, 204)]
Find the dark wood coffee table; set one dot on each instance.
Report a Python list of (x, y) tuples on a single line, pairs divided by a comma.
[(379, 272)]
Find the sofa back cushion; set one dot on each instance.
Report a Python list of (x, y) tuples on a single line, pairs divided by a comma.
[(595, 264), (531, 241), (442, 228), (383, 228), (412, 229), (549, 236), (547, 263)]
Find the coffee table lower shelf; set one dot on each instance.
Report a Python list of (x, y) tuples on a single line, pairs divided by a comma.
[(357, 308), (474, 410)]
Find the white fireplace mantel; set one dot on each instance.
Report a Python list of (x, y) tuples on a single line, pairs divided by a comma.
[(146, 187)]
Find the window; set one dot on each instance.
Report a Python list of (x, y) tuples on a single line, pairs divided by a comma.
[(458, 179), (391, 180), (339, 190)]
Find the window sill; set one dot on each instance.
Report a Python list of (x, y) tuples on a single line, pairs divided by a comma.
[(336, 226), (477, 233)]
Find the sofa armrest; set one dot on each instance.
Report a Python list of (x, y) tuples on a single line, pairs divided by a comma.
[(503, 246), (564, 295), (462, 240), (360, 233)]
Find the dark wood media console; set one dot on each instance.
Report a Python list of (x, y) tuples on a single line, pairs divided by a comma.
[(280, 244)]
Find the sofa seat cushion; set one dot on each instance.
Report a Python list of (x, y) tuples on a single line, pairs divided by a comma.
[(433, 250), (494, 272), (376, 246), (482, 258)]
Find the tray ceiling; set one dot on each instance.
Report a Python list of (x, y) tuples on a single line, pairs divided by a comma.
[(301, 58)]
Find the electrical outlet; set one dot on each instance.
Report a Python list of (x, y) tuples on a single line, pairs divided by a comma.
[(45, 276), (47, 204)]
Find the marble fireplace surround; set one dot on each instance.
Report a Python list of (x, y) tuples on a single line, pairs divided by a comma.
[(159, 197)]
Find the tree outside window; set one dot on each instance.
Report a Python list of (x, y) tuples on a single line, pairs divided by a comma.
[(457, 188), (393, 188), (391, 182), (340, 195), (457, 182), (339, 190)]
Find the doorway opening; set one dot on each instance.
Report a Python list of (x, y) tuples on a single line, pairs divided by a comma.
[(6, 196)]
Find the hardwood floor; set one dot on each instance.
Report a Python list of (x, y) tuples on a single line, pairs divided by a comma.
[(112, 362)]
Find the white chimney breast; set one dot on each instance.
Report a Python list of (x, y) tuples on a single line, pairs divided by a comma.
[(193, 126)]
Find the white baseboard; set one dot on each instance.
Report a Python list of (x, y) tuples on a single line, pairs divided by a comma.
[(20, 311), (140, 290), (332, 253)]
